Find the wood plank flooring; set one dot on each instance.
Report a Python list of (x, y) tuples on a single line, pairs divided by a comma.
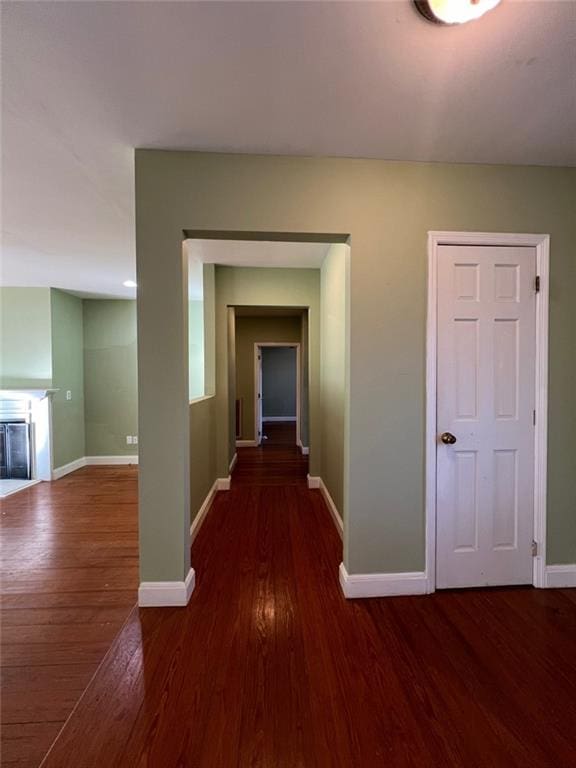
[(278, 433), (269, 666), (277, 462), (69, 575)]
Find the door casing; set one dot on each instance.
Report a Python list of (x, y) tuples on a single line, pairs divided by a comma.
[(541, 243), (257, 368)]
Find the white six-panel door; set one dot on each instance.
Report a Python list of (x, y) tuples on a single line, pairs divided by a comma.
[(485, 400)]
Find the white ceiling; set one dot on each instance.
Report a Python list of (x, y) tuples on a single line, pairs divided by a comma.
[(84, 83), (249, 253)]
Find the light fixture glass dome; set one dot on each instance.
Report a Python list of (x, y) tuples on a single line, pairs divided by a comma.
[(454, 11)]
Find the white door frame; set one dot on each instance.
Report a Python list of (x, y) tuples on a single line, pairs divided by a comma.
[(542, 245), (257, 346)]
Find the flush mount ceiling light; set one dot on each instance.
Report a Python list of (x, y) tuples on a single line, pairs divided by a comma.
[(454, 11), (129, 284)]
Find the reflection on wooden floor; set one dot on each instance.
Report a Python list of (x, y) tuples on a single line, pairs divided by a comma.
[(269, 666), (277, 462), (278, 433), (69, 578)]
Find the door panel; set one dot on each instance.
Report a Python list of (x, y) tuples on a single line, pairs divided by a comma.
[(506, 369), (486, 396), (465, 479), (466, 368), (505, 502)]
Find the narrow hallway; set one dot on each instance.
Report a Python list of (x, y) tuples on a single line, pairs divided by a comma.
[(270, 667)]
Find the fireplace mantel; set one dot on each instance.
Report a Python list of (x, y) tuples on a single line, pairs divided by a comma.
[(27, 393)]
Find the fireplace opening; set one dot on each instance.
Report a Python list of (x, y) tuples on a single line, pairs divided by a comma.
[(25, 438), (15, 454)]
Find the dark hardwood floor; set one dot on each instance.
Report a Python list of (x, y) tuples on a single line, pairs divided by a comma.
[(69, 575), (277, 462), (278, 433), (269, 667)]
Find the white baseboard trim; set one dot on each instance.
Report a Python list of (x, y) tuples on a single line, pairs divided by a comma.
[(85, 461), (332, 507), (111, 460), (203, 511), (233, 463), (557, 576), (65, 469), (382, 584), (160, 594), (246, 443), (318, 483), (223, 483), (279, 418)]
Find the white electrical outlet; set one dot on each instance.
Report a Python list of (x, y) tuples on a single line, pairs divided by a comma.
[(68, 394), (128, 439), (135, 440)]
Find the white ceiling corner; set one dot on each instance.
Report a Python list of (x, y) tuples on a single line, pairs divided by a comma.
[(86, 82)]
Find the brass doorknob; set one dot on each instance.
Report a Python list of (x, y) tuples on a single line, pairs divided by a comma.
[(447, 438)]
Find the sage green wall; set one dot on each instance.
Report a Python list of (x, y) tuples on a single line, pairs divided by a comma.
[(196, 348), (203, 447), (209, 330), (110, 376), (88, 347), (240, 286), (250, 330), (25, 338), (41, 337), (333, 289), (387, 209), (203, 424), (67, 376)]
